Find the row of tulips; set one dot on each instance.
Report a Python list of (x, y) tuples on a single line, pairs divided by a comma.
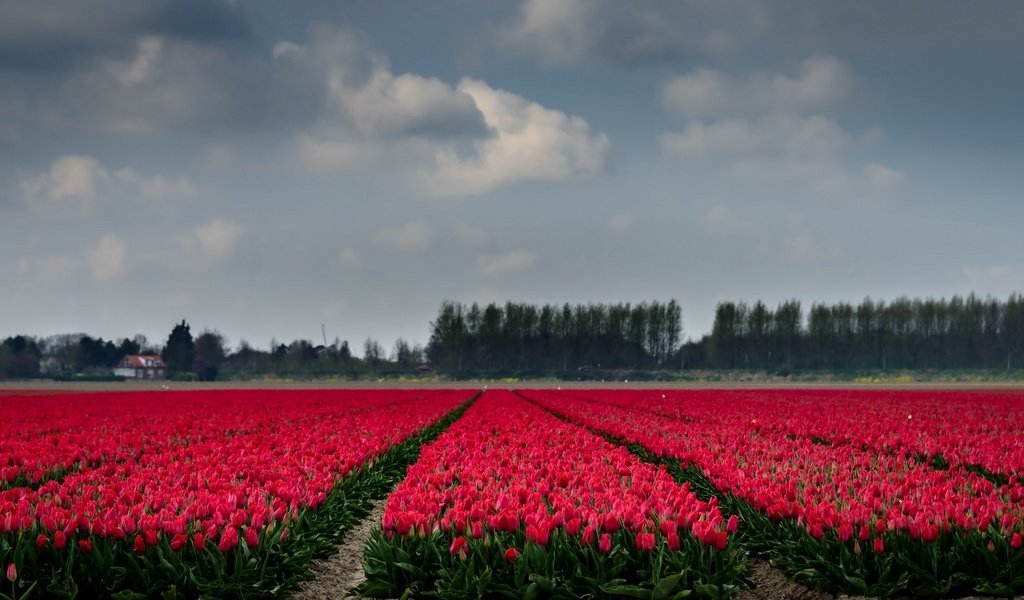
[(967, 428), (514, 502), (226, 493), (846, 516)]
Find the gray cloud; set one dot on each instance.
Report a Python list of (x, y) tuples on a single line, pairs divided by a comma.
[(566, 33), (56, 35)]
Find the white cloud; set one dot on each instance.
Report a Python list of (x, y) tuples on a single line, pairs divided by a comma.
[(453, 140), (72, 184), (407, 238), (531, 143), (405, 105), (67, 188), (106, 258), (881, 176), (771, 135), (821, 83), (515, 261), (214, 241), (134, 72)]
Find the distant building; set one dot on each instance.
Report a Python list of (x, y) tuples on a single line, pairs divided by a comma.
[(141, 366)]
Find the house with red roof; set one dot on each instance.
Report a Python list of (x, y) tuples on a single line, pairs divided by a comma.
[(141, 366)]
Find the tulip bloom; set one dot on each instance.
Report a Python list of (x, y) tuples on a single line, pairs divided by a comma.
[(459, 545), (512, 555), (12, 573), (644, 542), (605, 544)]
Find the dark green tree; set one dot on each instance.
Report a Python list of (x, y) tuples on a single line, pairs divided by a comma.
[(179, 352)]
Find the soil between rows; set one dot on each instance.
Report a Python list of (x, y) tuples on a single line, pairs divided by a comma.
[(336, 575)]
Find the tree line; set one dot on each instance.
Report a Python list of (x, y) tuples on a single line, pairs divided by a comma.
[(517, 338), (961, 332), (585, 341), (204, 357)]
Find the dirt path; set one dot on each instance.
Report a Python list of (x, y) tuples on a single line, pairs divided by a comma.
[(340, 573), (772, 584)]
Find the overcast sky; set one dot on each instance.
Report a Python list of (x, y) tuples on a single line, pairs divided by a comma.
[(262, 168)]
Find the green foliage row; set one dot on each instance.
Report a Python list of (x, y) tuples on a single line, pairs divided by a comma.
[(506, 565)]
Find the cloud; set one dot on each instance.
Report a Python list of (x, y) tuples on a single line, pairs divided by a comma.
[(214, 241), (569, 33), (758, 127), (390, 106), (411, 237), (530, 143), (70, 186), (55, 34), (820, 84), (106, 258), (67, 188), (772, 135), (515, 261), (881, 176), (453, 140), (139, 69)]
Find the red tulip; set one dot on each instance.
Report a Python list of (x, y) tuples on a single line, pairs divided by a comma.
[(12, 573), (228, 539), (42, 541), (459, 545), (605, 543), (673, 541), (178, 541), (252, 539), (644, 541), (198, 541), (879, 546), (512, 555), (85, 546), (140, 544)]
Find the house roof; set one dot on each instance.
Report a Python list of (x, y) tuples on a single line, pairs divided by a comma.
[(143, 361)]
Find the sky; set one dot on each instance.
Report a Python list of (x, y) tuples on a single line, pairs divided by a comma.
[(265, 169)]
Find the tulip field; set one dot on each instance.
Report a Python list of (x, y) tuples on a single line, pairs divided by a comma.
[(551, 493), (182, 494)]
